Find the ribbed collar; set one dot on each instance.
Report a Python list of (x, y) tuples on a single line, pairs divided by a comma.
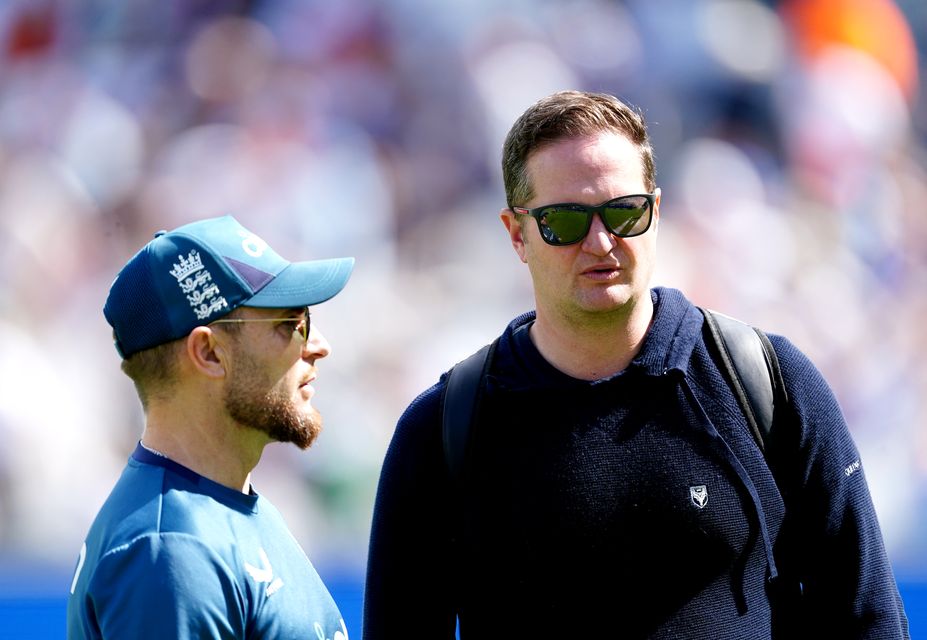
[(668, 345), (226, 495)]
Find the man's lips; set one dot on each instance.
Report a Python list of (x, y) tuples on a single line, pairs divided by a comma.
[(601, 272), (306, 386)]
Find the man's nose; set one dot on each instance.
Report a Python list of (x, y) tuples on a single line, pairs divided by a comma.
[(599, 240), (317, 346)]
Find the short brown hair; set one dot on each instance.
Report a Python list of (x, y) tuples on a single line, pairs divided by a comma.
[(154, 370), (567, 114)]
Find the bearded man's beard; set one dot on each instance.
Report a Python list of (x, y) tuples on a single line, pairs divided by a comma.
[(271, 412)]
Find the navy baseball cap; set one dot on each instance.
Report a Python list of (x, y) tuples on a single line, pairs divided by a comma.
[(201, 271)]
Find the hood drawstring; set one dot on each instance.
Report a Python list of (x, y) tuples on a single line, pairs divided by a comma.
[(737, 580)]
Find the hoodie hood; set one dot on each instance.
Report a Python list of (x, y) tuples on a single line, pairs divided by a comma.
[(676, 323)]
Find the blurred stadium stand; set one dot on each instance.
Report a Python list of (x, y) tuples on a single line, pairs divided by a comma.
[(791, 144)]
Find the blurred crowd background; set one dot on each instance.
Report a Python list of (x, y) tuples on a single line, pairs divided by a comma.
[(791, 147)]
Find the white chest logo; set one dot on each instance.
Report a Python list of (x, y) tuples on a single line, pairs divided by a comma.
[(699, 495), (339, 635), (264, 573)]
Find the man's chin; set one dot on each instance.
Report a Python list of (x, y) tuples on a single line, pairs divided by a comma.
[(281, 419), (306, 440), (304, 433), (299, 432)]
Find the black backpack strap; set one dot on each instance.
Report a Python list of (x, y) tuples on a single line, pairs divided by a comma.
[(461, 400), (750, 362), (747, 357)]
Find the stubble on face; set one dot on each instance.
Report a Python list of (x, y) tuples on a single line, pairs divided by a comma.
[(257, 404)]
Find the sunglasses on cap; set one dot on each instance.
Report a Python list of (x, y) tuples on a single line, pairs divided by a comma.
[(568, 223)]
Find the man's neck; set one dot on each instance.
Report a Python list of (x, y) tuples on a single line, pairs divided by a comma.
[(593, 346), (223, 453)]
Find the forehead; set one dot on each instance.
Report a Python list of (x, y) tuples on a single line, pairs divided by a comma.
[(587, 169)]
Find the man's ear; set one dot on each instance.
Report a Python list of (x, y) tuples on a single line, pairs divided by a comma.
[(656, 207), (205, 354), (516, 234)]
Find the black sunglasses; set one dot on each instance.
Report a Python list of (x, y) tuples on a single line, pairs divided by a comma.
[(568, 223)]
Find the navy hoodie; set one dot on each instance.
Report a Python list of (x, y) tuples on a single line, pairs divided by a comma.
[(636, 506)]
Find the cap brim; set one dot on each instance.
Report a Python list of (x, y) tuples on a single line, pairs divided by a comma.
[(303, 284)]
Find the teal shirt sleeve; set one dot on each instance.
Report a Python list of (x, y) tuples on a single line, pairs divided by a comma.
[(168, 585)]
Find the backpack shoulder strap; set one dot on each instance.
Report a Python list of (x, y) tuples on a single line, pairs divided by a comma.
[(462, 393), (752, 368), (747, 357)]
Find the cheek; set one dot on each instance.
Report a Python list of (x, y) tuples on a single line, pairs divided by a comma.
[(282, 383), (291, 381), (550, 267), (642, 255)]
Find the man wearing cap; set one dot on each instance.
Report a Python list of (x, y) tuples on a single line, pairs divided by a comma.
[(213, 328)]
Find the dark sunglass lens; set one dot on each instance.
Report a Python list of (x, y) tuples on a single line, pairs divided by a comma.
[(627, 216), (564, 226)]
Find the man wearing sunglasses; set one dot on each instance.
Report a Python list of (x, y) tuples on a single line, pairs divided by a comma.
[(213, 328), (610, 485)]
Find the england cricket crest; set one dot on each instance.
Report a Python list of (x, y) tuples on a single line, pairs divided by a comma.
[(699, 495), (197, 284)]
